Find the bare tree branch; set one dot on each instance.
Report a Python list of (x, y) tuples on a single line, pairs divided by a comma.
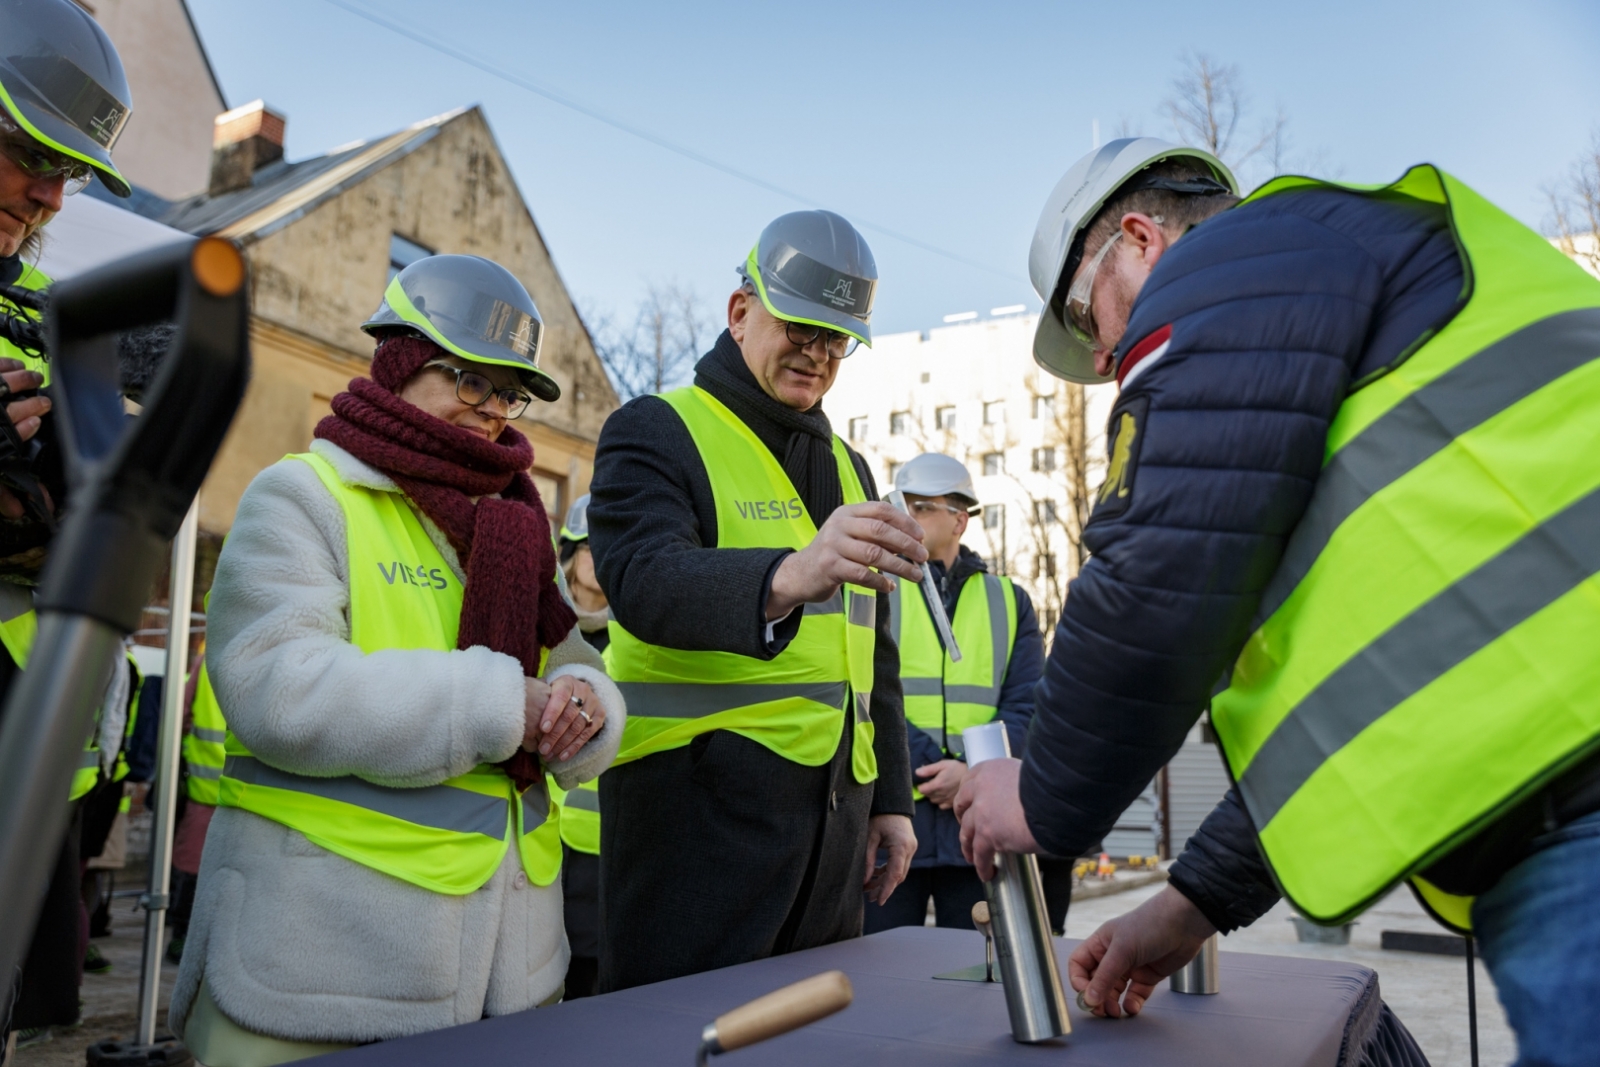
[(1575, 208), (657, 351), (1209, 108)]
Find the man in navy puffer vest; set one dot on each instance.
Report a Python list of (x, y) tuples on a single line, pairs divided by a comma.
[(1234, 347)]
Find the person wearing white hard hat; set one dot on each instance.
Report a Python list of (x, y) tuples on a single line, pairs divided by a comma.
[(1002, 657), (1354, 478)]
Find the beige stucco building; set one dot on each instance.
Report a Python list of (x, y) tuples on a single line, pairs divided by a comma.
[(323, 236), (166, 146)]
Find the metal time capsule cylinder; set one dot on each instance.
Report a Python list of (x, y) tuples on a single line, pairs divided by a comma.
[(1035, 997)]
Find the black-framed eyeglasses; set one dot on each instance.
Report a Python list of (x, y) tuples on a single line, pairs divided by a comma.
[(474, 390), (839, 345), (39, 162)]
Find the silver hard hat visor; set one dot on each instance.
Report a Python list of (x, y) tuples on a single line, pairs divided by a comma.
[(797, 288), (62, 107), (469, 322)]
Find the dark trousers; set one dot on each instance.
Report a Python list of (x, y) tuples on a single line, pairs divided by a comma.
[(954, 891), (48, 992), (580, 900), (722, 852)]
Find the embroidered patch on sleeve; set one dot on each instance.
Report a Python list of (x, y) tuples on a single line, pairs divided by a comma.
[(1126, 437)]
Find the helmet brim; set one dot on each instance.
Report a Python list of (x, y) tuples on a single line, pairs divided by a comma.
[(397, 312), (1058, 350), (44, 126), (791, 308)]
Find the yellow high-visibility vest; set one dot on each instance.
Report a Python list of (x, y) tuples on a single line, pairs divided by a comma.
[(1424, 657), (942, 697), (449, 837), (795, 703)]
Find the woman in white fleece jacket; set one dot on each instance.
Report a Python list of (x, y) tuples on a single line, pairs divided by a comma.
[(293, 948)]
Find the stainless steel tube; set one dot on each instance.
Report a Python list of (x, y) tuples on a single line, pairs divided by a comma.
[(1199, 975), (168, 752), (1035, 997)]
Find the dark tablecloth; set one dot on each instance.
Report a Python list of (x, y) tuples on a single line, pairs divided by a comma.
[(1272, 1010)]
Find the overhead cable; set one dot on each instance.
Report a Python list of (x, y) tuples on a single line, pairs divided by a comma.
[(566, 101)]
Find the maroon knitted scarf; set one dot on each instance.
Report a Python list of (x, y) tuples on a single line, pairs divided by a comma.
[(511, 602)]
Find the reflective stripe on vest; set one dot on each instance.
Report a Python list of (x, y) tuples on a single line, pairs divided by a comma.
[(450, 837), (580, 815), (943, 698), (203, 744), (794, 703), (1425, 657)]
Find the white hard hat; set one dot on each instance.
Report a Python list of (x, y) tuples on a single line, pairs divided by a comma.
[(1073, 204), (935, 474), (576, 528)]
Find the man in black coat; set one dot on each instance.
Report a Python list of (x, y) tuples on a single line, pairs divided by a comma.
[(723, 851)]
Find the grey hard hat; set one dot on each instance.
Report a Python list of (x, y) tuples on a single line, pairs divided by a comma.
[(1058, 238), (576, 528), (473, 307), (936, 474), (813, 267), (61, 82)]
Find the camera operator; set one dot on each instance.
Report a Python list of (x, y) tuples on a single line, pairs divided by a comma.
[(63, 101)]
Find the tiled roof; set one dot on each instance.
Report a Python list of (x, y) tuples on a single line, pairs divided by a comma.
[(282, 192)]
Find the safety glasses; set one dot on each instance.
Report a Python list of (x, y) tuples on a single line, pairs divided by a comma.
[(839, 345), (39, 162), (473, 389), (1079, 309), (929, 507)]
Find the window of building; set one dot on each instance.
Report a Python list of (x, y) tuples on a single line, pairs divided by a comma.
[(899, 423), (994, 516), (1044, 565), (945, 417), (858, 428), (1044, 459), (1044, 407), (894, 471), (403, 252), (1044, 511), (994, 413), (553, 491), (926, 377), (993, 463)]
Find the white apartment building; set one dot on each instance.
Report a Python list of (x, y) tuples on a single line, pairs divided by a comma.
[(1036, 448), (971, 389)]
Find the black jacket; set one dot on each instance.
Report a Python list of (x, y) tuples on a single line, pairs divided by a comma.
[(653, 531)]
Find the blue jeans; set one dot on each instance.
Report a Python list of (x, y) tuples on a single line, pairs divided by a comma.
[(1539, 932)]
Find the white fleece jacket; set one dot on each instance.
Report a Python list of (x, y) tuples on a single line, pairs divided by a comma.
[(294, 941)]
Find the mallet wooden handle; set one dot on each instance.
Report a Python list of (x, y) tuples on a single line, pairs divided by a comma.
[(787, 1009), (980, 918)]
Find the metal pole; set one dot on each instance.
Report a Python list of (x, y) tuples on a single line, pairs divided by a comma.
[(168, 751)]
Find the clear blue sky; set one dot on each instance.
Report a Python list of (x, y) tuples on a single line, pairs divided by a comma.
[(946, 122)]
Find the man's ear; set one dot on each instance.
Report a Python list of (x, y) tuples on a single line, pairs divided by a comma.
[(961, 524), (1145, 234), (739, 313)]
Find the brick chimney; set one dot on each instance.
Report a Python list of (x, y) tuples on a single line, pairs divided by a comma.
[(246, 139)]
